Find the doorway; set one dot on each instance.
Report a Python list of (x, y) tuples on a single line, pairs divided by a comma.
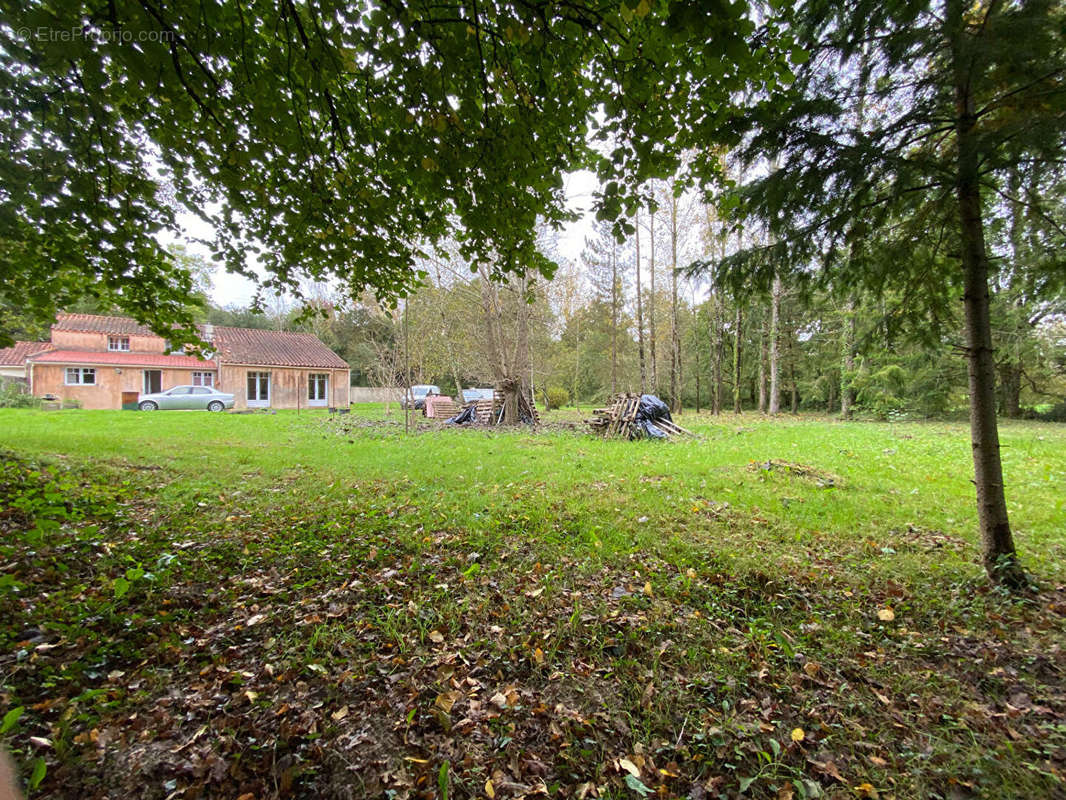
[(153, 381), (258, 389)]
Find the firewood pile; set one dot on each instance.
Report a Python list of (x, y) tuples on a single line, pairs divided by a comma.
[(635, 416), (490, 412)]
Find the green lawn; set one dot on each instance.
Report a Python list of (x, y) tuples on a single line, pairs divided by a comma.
[(200, 605)]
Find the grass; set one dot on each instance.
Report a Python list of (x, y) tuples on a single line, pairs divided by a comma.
[(288, 605)]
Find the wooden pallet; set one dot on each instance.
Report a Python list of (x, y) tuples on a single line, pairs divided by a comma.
[(620, 416)]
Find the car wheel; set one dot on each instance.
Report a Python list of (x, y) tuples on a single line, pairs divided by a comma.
[(215, 405), (148, 405)]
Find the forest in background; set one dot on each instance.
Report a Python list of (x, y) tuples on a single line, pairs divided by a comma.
[(597, 328)]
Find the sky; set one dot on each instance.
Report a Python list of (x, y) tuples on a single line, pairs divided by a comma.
[(230, 289)]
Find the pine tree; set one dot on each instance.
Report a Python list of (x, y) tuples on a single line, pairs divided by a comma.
[(963, 93)]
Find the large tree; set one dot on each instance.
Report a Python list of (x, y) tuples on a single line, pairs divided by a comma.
[(957, 96), (328, 139)]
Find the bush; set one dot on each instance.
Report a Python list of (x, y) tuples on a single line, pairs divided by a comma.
[(14, 395), (1057, 413), (556, 397)]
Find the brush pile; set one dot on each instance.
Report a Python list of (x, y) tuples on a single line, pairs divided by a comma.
[(491, 412), (635, 416)]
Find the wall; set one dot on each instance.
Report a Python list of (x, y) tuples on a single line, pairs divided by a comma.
[(288, 385), (376, 394), (83, 340), (107, 392)]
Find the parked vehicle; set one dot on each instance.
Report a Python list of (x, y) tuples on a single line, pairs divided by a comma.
[(185, 397), (416, 396), (470, 395)]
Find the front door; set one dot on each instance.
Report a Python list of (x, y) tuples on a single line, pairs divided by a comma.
[(258, 389), (153, 381)]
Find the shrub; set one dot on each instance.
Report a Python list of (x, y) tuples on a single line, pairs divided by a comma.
[(557, 397), (1057, 413), (14, 395)]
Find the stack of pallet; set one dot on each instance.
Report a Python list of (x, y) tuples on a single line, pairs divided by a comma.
[(488, 411), (440, 407), (622, 417)]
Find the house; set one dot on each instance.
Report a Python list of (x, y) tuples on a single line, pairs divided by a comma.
[(13, 360), (104, 362)]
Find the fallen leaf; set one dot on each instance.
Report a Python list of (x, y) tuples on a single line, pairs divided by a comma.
[(866, 790), (490, 791), (629, 767), (538, 656), (340, 713), (878, 761), (886, 615), (798, 735), (648, 590), (499, 700), (445, 701), (436, 637), (636, 785)]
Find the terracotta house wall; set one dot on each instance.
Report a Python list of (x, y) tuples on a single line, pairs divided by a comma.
[(288, 385), (109, 386), (97, 342)]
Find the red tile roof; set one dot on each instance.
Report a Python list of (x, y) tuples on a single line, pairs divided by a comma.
[(94, 323), (234, 345), (274, 348), (16, 355), (122, 359)]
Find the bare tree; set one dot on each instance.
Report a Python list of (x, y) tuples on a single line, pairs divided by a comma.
[(775, 365)]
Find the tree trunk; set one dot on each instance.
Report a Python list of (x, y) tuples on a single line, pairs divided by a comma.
[(651, 305), (737, 342), (716, 355), (615, 302), (775, 366), (847, 360), (696, 354), (793, 389), (675, 334), (1000, 557), (762, 367), (640, 316), (1011, 389)]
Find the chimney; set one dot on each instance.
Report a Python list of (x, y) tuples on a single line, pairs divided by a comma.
[(209, 332)]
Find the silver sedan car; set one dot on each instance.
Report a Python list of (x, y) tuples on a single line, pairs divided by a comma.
[(186, 397)]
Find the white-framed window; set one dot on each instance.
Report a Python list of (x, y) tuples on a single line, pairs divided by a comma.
[(203, 379), (120, 343), (317, 388), (80, 376), (258, 389)]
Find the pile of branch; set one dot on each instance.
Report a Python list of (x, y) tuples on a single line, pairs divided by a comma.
[(491, 412), (624, 418)]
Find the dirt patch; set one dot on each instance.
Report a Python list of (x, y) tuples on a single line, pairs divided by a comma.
[(819, 477)]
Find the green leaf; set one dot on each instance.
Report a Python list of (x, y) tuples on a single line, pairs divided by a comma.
[(121, 586), (634, 783), (40, 769), (745, 783), (11, 718), (442, 780)]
